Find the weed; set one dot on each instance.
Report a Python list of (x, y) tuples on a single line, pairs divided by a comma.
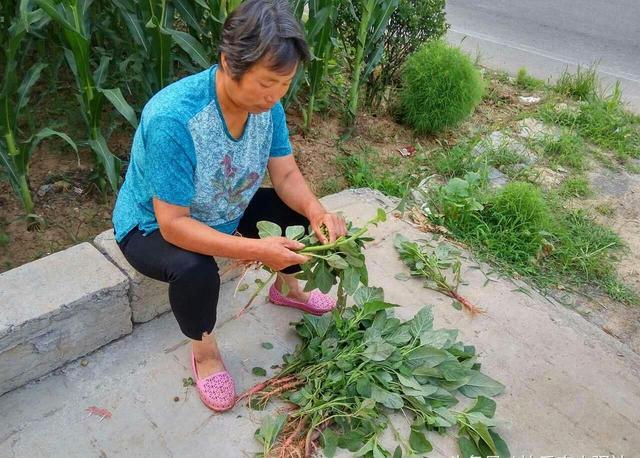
[(605, 209), (366, 169), (330, 186), (441, 87), (618, 291), (528, 82), (526, 232), (567, 150), (602, 120), (575, 187), (454, 162), (582, 85)]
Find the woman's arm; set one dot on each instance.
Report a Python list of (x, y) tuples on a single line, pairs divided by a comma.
[(179, 228), (294, 191)]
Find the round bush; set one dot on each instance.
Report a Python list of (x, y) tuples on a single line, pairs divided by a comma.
[(441, 87)]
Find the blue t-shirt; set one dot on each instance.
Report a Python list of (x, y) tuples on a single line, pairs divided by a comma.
[(184, 155)]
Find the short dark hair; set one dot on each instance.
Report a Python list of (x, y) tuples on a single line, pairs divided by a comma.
[(258, 29)]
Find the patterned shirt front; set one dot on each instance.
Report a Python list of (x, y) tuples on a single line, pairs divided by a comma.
[(184, 155)]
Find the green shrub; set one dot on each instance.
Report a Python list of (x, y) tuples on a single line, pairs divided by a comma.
[(441, 87), (412, 24)]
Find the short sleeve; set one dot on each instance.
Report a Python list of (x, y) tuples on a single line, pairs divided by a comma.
[(169, 164), (280, 144)]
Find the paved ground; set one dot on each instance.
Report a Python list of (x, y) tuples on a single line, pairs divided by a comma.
[(571, 388), (547, 36)]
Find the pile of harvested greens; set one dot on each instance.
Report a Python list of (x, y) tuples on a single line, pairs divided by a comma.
[(358, 365)]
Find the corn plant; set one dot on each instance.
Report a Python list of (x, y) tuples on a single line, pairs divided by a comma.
[(321, 38), (14, 97), (369, 44), (205, 19), (73, 17), (150, 25)]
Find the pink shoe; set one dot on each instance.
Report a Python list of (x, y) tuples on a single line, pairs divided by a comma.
[(216, 391), (318, 303)]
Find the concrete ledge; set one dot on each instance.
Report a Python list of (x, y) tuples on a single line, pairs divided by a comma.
[(148, 298), (57, 309)]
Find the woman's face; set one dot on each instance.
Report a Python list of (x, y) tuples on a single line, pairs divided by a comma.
[(260, 88)]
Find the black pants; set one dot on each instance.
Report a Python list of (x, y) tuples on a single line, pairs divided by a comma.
[(194, 282)]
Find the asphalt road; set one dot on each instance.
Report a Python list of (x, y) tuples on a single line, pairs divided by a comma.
[(547, 36)]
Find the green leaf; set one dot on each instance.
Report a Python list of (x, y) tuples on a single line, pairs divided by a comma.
[(452, 371), (484, 405), (426, 357), (47, 132), (268, 229), (109, 162), (363, 387), (439, 338), (373, 307), (259, 371), (400, 336), (422, 321), (378, 351), (468, 448), (267, 345), (481, 385), (366, 294), (117, 100), (269, 431), (483, 431), (397, 453), (191, 45), (337, 262), (418, 442), (323, 277), (386, 398), (294, 232), (27, 83), (329, 443), (351, 280), (501, 445)]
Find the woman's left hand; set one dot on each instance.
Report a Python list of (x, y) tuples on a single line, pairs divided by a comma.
[(335, 224)]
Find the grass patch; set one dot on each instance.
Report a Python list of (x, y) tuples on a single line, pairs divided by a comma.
[(331, 185), (581, 85), (575, 187), (367, 169), (567, 150), (454, 162), (527, 232), (602, 120), (527, 82)]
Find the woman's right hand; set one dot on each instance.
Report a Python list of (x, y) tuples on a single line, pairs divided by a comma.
[(278, 253)]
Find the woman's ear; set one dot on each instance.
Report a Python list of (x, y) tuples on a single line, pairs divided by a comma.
[(223, 61)]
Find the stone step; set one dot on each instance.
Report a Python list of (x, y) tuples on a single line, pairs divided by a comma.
[(57, 309)]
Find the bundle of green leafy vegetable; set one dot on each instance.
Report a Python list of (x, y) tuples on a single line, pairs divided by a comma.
[(341, 262), (353, 369)]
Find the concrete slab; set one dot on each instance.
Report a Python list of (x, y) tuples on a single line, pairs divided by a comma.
[(571, 389), (56, 309), (148, 297)]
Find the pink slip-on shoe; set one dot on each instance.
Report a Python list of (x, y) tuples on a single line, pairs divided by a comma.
[(318, 303), (216, 391)]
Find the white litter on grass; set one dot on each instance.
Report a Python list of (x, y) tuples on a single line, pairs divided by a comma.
[(529, 100)]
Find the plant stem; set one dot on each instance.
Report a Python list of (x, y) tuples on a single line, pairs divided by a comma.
[(334, 245)]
